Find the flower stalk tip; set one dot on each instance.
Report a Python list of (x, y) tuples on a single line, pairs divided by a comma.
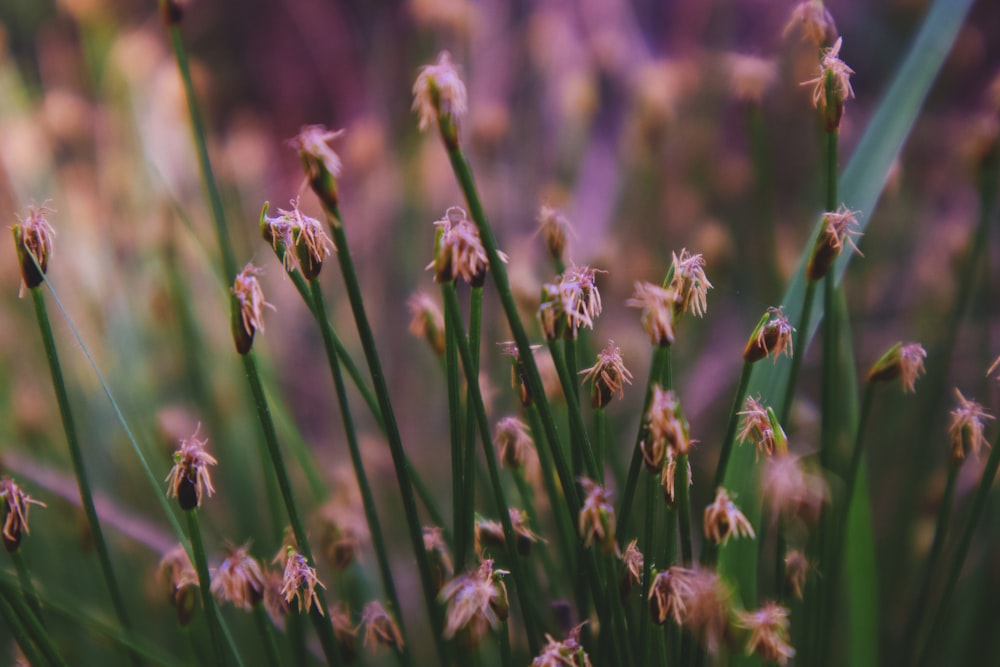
[(832, 87), (608, 376), (248, 317), (439, 97), (838, 229), (900, 361), (15, 505), (33, 241), (299, 580), (320, 162), (189, 479), (771, 337)]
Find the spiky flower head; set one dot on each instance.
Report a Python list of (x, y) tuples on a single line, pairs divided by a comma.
[(438, 553), (554, 228), (439, 98), (458, 250), (490, 533), (666, 430), (380, 628), (512, 438), (321, 164), (189, 479), (723, 519), (248, 318), (298, 579), (300, 238), (814, 20), (768, 628), (771, 337), (793, 490), (343, 532), (597, 516), (608, 375), (760, 426), (570, 303), (965, 430), (427, 320), (838, 228), (657, 305), (750, 76), (631, 568), (16, 505), (476, 601), (900, 361), (695, 599), (668, 476), (689, 283), (796, 571), (33, 241), (181, 580), (567, 653), (832, 87), (239, 580)]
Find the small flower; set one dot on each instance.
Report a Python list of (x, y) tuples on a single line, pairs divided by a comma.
[(608, 375), (668, 476), (569, 304), (458, 250), (298, 579), (750, 76), (313, 146), (792, 490), (796, 570), (689, 283), (477, 601), (632, 562), (16, 505), (343, 531), (666, 430), (670, 593), (723, 519), (181, 581), (815, 21), (657, 304), (597, 516), (554, 228), (380, 628), (694, 599), (833, 69), (512, 438), (189, 478), (490, 533), (239, 580), (33, 242), (966, 427), (439, 97), (760, 425), (518, 371), (427, 320), (437, 551), (838, 228), (250, 298), (903, 361), (344, 632), (771, 337), (567, 653), (304, 240), (768, 628)]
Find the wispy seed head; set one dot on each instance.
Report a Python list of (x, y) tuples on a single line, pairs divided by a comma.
[(768, 628), (15, 505), (657, 305), (609, 376), (33, 240), (189, 479), (966, 428), (814, 20), (250, 298), (439, 95), (380, 628), (239, 580)]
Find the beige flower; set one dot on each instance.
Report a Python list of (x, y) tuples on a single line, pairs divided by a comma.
[(239, 580), (16, 505), (768, 628), (657, 305), (608, 375), (189, 479), (723, 519), (299, 580), (477, 601), (439, 92), (965, 430)]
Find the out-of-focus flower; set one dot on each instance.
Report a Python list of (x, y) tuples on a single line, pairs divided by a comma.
[(839, 228), (900, 361), (427, 320), (657, 304), (608, 375), (760, 426), (181, 580), (567, 653), (694, 599), (33, 241), (723, 519), (965, 430), (15, 505), (250, 297), (768, 628), (380, 628), (597, 516), (239, 580), (440, 94), (554, 228), (299, 580), (477, 601), (793, 491), (750, 76)]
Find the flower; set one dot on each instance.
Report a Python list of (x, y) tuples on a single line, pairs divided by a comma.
[(439, 93), (760, 425), (657, 304), (298, 579), (768, 628), (250, 298), (33, 241), (176, 571), (695, 599), (313, 146), (476, 602), (966, 427), (570, 303), (750, 76), (835, 70), (666, 430), (597, 516), (189, 478), (16, 507), (567, 653), (344, 632), (380, 628), (632, 562), (668, 476), (427, 320), (689, 283), (458, 250), (796, 570), (239, 580), (490, 533), (792, 490), (903, 361), (771, 336), (302, 238), (437, 551), (608, 375), (512, 438), (554, 228), (838, 228), (815, 21), (723, 519)]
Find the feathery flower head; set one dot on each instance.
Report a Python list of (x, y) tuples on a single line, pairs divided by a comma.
[(571, 303), (793, 491), (15, 505), (518, 372), (666, 430), (608, 375), (302, 239), (657, 304), (512, 438), (965, 430), (33, 241), (458, 250), (796, 570), (689, 283), (567, 653), (189, 478), (768, 628), (839, 228), (750, 76), (554, 228), (427, 320), (771, 337), (832, 87), (321, 164), (815, 21), (477, 601), (343, 532), (723, 519), (632, 562), (695, 599), (439, 98), (993, 367), (489, 533), (239, 580), (380, 628), (760, 425), (298, 579), (668, 476), (438, 553), (249, 318), (597, 516), (900, 361), (177, 572)]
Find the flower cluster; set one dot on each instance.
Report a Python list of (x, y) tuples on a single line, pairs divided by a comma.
[(189, 479), (965, 430), (567, 653), (298, 579), (458, 250), (689, 283), (666, 437), (570, 303), (477, 601), (838, 228), (300, 238), (760, 425), (694, 599), (832, 86), (609, 376)]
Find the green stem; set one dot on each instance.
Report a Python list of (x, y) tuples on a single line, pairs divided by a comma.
[(76, 455), (581, 440), (27, 628), (469, 454), (682, 488), (645, 620), (600, 437), (800, 344), (503, 639), (20, 634), (322, 624), (367, 497), (527, 495), (205, 587), (266, 632), (27, 587), (455, 432)]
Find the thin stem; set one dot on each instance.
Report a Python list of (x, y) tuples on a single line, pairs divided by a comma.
[(581, 440), (322, 624), (800, 345), (25, 625), (27, 587), (20, 634), (645, 620), (526, 493), (79, 469), (266, 632), (367, 497), (503, 640), (205, 587), (469, 454), (455, 432), (600, 437), (683, 489)]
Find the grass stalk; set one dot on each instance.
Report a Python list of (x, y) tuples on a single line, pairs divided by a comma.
[(578, 431), (801, 340), (469, 454), (729, 438), (455, 433), (683, 490), (266, 631), (27, 587), (27, 628), (20, 634), (205, 587)]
